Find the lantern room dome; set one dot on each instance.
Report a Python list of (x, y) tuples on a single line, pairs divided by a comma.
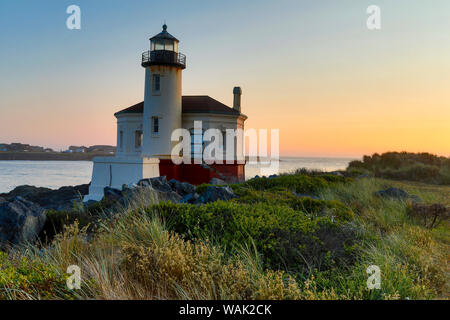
[(164, 35)]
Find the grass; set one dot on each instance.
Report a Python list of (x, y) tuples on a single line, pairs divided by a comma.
[(267, 244)]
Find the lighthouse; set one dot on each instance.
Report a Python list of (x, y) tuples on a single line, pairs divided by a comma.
[(163, 94), (144, 130)]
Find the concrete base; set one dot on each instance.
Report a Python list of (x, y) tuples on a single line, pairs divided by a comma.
[(115, 172)]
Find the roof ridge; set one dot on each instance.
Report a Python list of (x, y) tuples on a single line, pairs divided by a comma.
[(194, 104)]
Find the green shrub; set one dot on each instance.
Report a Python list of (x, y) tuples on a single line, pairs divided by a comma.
[(422, 167), (57, 220), (298, 183), (286, 238), (86, 217), (314, 207), (25, 279), (415, 172)]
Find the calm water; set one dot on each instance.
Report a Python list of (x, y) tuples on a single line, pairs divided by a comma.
[(49, 174), (55, 174)]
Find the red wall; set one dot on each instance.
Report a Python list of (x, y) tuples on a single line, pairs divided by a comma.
[(197, 174)]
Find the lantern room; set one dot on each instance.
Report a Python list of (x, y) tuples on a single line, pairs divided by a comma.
[(164, 51), (164, 41)]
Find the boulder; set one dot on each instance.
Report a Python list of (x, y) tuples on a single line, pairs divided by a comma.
[(188, 188), (303, 195), (169, 196), (213, 193), (61, 199), (159, 184), (190, 198), (2, 200), (21, 221), (112, 194), (182, 188), (396, 193), (217, 182), (393, 193), (144, 183)]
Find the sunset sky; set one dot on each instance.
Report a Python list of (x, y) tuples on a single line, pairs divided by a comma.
[(309, 68)]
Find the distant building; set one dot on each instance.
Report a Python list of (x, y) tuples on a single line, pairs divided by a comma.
[(75, 149), (20, 147), (102, 149)]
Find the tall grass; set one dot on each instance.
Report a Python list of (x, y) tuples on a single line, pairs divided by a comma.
[(413, 259)]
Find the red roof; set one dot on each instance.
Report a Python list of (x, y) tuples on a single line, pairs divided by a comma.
[(191, 104)]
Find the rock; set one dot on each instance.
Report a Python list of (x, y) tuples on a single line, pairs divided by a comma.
[(396, 193), (217, 182), (336, 173), (2, 200), (213, 193), (112, 194), (21, 221), (273, 176), (301, 195), (182, 188), (144, 183), (393, 193), (188, 188), (169, 196), (190, 198), (60, 199), (160, 184)]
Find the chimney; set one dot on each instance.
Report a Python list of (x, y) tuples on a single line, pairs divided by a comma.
[(237, 92)]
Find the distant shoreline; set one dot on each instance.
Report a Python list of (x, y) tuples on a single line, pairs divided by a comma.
[(48, 156)]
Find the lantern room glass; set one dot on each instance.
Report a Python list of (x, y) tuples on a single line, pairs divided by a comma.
[(164, 44)]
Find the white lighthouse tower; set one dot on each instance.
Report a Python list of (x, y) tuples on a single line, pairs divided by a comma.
[(163, 96)]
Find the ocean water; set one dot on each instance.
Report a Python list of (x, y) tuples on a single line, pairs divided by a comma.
[(49, 174), (56, 174)]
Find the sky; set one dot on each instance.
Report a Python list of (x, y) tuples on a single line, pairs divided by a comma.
[(311, 69)]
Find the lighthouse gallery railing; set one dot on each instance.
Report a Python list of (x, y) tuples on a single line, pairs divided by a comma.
[(163, 57)]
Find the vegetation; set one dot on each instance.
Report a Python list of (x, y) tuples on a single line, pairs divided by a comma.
[(422, 167), (299, 236), (21, 278)]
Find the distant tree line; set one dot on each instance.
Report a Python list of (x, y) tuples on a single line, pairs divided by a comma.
[(423, 167)]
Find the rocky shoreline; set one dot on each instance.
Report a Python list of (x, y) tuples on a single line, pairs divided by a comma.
[(23, 210)]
